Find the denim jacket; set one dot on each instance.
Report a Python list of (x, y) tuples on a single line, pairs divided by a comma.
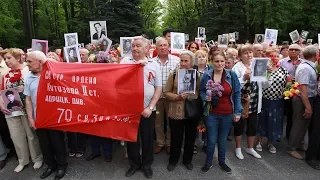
[(236, 93)]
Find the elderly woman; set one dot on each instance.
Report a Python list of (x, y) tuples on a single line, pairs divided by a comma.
[(24, 138), (179, 125), (228, 110), (54, 56), (271, 117)]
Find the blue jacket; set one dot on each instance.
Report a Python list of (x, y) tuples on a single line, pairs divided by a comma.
[(236, 93)]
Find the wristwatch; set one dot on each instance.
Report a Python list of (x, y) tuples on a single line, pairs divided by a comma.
[(151, 108)]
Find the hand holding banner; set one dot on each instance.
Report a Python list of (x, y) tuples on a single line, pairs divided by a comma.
[(99, 99)]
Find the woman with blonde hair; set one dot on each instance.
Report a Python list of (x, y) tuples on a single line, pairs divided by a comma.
[(24, 138), (53, 56)]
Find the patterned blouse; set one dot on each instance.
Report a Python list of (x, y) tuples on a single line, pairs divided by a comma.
[(278, 82)]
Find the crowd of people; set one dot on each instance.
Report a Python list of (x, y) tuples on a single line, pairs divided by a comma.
[(259, 107)]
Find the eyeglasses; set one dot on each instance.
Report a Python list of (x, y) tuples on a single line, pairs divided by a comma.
[(294, 49)]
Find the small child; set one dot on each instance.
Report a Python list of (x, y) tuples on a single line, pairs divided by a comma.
[(229, 62)]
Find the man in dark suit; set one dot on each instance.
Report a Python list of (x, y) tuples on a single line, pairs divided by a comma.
[(100, 32)]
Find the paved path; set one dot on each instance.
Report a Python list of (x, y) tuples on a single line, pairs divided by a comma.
[(271, 167)]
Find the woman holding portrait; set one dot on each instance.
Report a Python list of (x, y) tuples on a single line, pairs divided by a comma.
[(180, 125)]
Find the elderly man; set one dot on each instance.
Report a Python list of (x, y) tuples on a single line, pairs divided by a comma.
[(290, 63), (306, 76), (51, 141), (84, 55), (167, 64), (257, 50), (167, 35), (152, 92)]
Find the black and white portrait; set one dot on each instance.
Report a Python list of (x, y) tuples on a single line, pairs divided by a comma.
[(304, 34), (12, 100), (271, 36), (259, 38), (72, 54), (126, 46), (294, 35), (177, 41), (39, 45), (186, 37), (309, 41), (98, 30), (186, 81), (236, 35), (259, 67), (71, 39), (106, 44), (232, 37), (223, 41), (201, 32)]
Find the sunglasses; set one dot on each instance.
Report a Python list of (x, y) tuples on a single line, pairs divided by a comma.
[(294, 49)]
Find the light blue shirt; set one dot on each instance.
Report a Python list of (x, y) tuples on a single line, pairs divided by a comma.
[(306, 74), (31, 89)]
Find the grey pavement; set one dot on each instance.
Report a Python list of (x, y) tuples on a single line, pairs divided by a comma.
[(279, 166)]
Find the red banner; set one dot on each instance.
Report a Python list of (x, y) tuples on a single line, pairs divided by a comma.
[(99, 99)]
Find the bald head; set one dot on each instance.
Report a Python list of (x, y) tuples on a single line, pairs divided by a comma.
[(37, 55), (84, 55), (257, 50)]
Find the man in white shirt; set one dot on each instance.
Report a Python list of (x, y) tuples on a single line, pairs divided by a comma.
[(152, 92), (168, 63)]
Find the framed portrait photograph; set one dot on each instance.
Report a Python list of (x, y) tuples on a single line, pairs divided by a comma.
[(40, 45), (232, 37), (197, 40), (236, 34), (294, 35), (187, 81), (259, 68), (177, 42), (98, 30), (29, 50), (271, 36), (71, 39), (106, 42), (72, 54), (186, 37), (126, 46), (259, 38), (201, 32), (12, 100), (304, 34), (309, 41), (319, 40), (223, 41)]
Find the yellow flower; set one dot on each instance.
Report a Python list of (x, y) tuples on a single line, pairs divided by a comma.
[(296, 83), (286, 98), (297, 91), (292, 90), (118, 48), (286, 93)]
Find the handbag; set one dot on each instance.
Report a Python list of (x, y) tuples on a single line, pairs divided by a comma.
[(193, 108)]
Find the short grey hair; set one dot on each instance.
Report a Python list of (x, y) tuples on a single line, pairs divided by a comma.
[(145, 41), (310, 52), (189, 53), (37, 55), (161, 39), (256, 46)]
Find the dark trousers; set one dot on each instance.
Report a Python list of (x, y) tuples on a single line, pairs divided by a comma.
[(299, 123), (288, 111), (106, 144), (145, 133), (4, 132), (53, 148), (76, 142), (314, 139), (188, 128)]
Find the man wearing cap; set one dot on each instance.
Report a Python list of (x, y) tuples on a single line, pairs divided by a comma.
[(290, 63)]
